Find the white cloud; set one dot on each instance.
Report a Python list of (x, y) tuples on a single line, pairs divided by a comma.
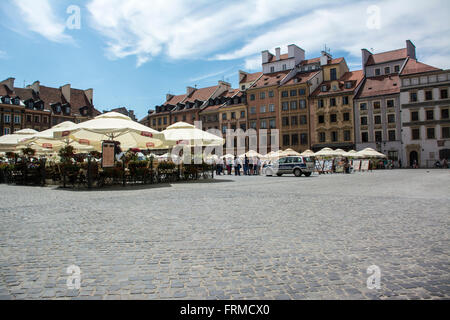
[(210, 75), (39, 17), (188, 29), (182, 29), (253, 63), (3, 54)]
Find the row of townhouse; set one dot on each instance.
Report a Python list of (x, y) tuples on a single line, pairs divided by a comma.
[(395, 104), (39, 107)]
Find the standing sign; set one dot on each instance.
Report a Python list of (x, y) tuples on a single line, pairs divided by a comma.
[(365, 165), (356, 165), (108, 155)]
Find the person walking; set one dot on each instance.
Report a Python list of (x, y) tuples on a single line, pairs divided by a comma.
[(237, 166), (246, 165)]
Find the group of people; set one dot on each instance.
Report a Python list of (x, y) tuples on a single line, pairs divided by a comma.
[(248, 166)]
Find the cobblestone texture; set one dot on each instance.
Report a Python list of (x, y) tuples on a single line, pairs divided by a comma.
[(235, 238)]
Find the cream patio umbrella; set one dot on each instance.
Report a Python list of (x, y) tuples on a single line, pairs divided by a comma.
[(371, 153), (9, 142), (352, 154), (251, 154), (185, 133), (308, 153), (113, 126), (228, 156), (341, 152), (46, 140), (327, 152), (290, 152)]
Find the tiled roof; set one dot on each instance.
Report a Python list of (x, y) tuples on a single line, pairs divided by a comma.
[(387, 56), (378, 86), (201, 94), (175, 100), (414, 66), (301, 78), (272, 79), (282, 57), (354, 76), (250, 77)]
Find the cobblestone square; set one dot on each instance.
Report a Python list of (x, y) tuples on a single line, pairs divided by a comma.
[(233, 238)]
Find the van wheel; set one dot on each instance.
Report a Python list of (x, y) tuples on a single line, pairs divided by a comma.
[(298, 172), (308, 174), (279, 174)]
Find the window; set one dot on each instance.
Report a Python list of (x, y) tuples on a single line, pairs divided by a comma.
[(243, 87), (322, 137), (165, 120), (414, 115), (303, 138), (253, 124), (348, 85), (294, 120), (376, 105), (333, 117), (271, 108), (285, 106), (413, 96), (17, 119), (302, 104), (184, 118), (6, 131), (377, 119), (320, 103), (233, 115), (333, 102), (430, 133), (363, 106), (364, 121), (294, 139), (271, 94), (29, 118), (333, 74), (377, 72), (272, 124), (286, 139), (334, 136), (430, 114), (285, 94), (303, 120), (444, 94), (242, 114), (444, 114), (321, 119), (364, 137), (284, 67), (243, 126), (262, 109), (345, 101), (387, 70), (285, 121), (272, 69), (445, 132), (224, 116), (428, 95), (324, 88), (397, 69), (293, 93), (293, 105), (252, 110), (159, 121), (7, 118), (378, 136), (37, 119), (391, 134), (390, 103), (347, 135), (263, 124), (224, 129), (391, 118), (415, 133), (7, 100), (302, 92), (262, 95), (346, 116), (252, 97)]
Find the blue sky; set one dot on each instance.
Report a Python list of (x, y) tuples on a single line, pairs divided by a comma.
[(134, 52)]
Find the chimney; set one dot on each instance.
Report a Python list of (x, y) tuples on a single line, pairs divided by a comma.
[(35, 86), (190, 90), (169, 96), (65, 90), (242, 74), (89, 93), (278, 54), (365, 56), (9, 83), (410, 49), (265, 56)]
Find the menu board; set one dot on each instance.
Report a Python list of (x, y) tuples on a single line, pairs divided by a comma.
[(365, 165), (108, 154), (356, 165)]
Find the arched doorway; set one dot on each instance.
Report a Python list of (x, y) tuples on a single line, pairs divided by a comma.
[(413, 157)]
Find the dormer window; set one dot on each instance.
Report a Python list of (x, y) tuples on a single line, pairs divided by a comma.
[(16, 101), (324, 89), (284, 67), (6, 100), (348, 85), (30, 104)]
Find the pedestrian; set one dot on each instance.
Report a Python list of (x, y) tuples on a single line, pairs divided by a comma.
[(246, 165), (445, 163), (258, 166), (400, 163), (237, 166)]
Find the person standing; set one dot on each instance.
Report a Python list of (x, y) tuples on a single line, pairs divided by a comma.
[(246, 167), (237, 166)]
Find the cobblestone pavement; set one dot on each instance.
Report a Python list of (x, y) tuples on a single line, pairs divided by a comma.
[(235, 238)]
